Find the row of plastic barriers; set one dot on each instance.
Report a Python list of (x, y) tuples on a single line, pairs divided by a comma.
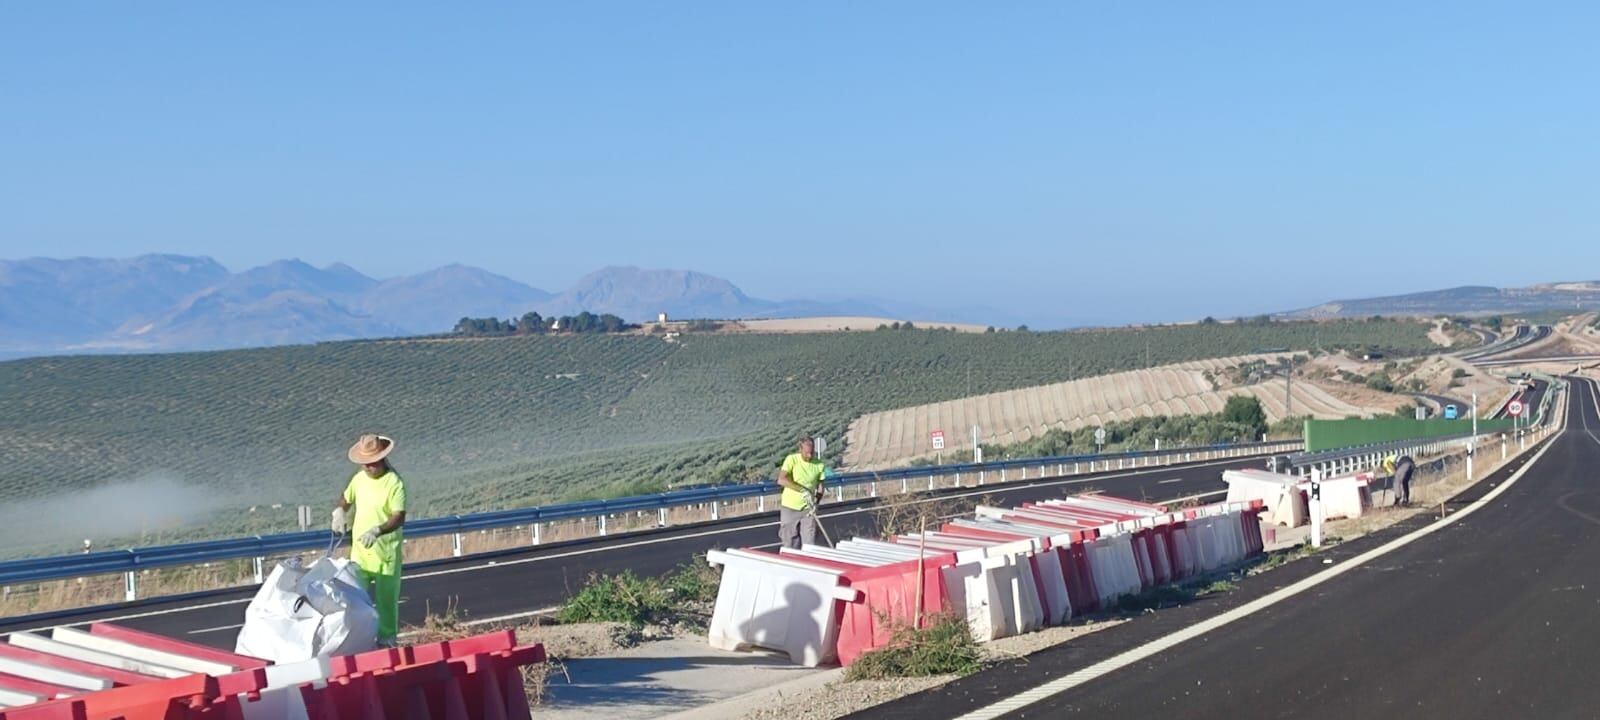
[(1006, 570), (113, 672)]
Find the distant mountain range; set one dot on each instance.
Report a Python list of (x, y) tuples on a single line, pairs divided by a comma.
[(172, 302), (1466, 300)]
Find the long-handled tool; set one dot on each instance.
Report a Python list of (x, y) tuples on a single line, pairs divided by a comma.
[(811, 507)]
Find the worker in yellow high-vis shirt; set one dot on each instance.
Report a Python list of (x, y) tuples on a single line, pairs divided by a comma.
[(378, 498), (801, 477)]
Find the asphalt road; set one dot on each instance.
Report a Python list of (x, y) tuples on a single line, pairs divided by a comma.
[(1441, 401), (1521, 336), (521, 581), (1530, 400), (1492, 616)]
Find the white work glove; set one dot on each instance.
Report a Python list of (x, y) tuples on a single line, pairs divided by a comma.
[(340, 521), (369, 537)]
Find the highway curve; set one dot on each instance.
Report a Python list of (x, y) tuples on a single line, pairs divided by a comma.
[(520, 581), (1492, 616)]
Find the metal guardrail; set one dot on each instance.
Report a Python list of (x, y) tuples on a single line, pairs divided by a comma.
[(133, 560)]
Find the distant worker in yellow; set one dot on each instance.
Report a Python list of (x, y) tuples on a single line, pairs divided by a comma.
[(373, 509), (1400, 469), (801, 477)]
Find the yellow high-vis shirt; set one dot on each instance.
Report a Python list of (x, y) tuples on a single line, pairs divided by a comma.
[(374, 500), (807, 473)]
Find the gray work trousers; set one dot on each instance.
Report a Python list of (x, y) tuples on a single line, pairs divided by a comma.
[(796, 527), (1401, 484)]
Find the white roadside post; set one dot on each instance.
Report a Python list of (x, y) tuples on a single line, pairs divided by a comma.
[(1316, 508)]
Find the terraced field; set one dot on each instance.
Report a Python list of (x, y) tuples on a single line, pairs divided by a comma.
[(892, 437), (502, 422)]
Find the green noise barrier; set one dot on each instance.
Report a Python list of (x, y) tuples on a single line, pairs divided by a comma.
[(1333, 434)]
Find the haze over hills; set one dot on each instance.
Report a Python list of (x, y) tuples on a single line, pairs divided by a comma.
[(172, 302), (1465, 300)]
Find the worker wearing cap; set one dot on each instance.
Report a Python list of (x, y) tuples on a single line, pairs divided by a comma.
[(378, 498), (801, 477)]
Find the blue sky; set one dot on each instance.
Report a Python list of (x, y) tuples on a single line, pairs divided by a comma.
[(1064, 162)]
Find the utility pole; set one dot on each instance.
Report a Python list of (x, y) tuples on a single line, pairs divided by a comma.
[(1288, 393)]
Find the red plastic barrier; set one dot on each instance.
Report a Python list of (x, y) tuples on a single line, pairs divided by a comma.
[(35, 687), (178, 647), (1178, 551), (244, 681), (1141, 559), (889, 596), (117, 677), (476, 677), (1254, 543), (995, 535), (173, 699), (1081, 589), (58, 710), (1159, 540)]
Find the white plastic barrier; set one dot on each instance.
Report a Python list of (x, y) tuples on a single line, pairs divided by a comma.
[(1116, 572), (1285, 504), (1347, 496), (1110, 504), (969, 591), (770, 602)]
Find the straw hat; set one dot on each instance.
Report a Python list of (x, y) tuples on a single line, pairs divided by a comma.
[(370, 449)]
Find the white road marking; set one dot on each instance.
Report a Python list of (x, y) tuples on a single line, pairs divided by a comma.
[(218, 628), (1169, 482), (979, 492), (1074, 679)]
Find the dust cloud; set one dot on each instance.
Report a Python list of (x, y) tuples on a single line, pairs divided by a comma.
[(141, 508)]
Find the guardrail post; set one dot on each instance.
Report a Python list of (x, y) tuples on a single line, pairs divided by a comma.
[(1074, 467), (1002, 474), (930, 480), (716, 510), (958, 480), (1119, 463), (980, 477), (838, 492), (603, 519), (258, 562), (456, 546), (661, 515), (536, 533), (905, 483), (130, 586), (874, 488)]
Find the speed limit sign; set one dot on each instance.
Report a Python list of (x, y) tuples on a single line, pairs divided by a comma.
[(1514, 409)]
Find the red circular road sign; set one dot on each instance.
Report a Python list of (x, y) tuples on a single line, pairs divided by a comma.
[(1515, 408)]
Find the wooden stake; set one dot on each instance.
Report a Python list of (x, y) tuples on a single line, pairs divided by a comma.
[(922, 544)]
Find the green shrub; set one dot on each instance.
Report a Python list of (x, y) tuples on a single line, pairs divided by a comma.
[(944, 646), (694, 582), (621, 598), (1245, 410)]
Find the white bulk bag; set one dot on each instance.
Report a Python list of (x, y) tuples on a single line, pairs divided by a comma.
[(305, 612)]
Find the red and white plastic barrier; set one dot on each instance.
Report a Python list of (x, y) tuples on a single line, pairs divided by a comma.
[(477, 677), (1006, 570)]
